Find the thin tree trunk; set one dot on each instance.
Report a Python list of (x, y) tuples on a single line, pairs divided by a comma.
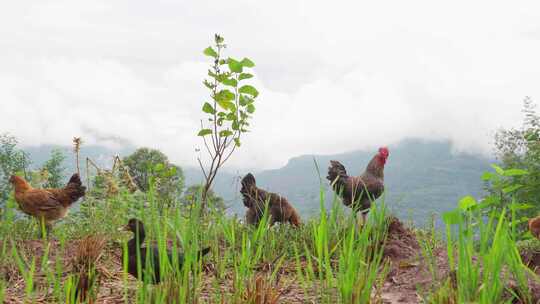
[(204, 195)]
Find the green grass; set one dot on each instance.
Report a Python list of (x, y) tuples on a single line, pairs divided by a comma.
[(483, 258), (329, 259)]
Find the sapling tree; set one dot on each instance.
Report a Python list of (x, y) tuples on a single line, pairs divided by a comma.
[(228, 111)]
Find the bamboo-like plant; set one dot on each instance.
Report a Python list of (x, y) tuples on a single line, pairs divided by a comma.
[(77, 143)]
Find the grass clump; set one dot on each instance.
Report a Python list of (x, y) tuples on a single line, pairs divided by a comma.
[(330, 259), (484, 261)]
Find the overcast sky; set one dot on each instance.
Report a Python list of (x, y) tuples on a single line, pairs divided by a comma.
[(334, 76)]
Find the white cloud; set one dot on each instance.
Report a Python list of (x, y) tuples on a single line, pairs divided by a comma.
[(333, 78)]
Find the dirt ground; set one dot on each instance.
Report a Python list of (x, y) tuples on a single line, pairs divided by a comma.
[(531, 258), (408, 270), (408, 273)]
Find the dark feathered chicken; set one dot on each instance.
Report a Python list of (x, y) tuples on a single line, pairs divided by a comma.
[(135, 251), (255, 199), (357, 192)]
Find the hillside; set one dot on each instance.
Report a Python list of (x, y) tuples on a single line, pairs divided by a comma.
[(421, 177), (405, 267)]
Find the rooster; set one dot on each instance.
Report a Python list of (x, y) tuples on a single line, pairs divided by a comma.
[(255, 200), (357, 192), (47, 205)]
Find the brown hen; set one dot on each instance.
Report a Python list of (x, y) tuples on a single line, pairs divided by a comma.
[(534, 226), (47, 205), (255, 200)]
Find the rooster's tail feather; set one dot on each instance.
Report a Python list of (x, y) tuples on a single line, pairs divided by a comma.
[(248, 184), (203, 252), (74, 188), (248, 181), (336, 174)]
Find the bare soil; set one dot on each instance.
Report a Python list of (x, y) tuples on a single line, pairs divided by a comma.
[(408, 272), (408, 279)]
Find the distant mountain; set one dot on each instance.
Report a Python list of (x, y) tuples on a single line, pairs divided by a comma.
[(422, 178)]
